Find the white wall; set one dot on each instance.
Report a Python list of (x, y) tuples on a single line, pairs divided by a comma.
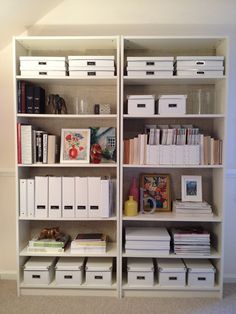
[(107, 17)]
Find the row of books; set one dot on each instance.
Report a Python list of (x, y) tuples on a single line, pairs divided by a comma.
[(192, 208), (67, 197), (30, 98), (35, 146), (207, 152)]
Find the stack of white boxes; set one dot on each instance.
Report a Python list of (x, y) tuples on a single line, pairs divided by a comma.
[(43, 66), (150, 66), (67, 197), (91, 66), (202, 66)]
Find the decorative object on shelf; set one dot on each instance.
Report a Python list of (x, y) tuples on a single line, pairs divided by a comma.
[(134, 189), (96, 109), (156, 186), (191, 187), (75, 145), (56, 104), (103, 145), (102, 109), (131, 207), (150, 200)]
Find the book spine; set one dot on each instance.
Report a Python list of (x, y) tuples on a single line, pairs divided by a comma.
[(29, 98), (45, 148), (26, 144), (51, 149), (39, 100), (39, 152), (19, 159), (23, 97), (19, 105)]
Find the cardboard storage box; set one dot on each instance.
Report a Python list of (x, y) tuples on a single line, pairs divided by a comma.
[(39, 270), (140, 272), (88, 61), (151, 62), (201, 273), (141, 104), (69, 271), (144, 72), (98, 271), (43, 73), (91, 71), (200, 62), (172, 105), (193, 72), (42, 63), (171, 272)]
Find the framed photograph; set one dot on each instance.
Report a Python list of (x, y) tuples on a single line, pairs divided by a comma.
[(191, 187), (156, 192), (75, 145)]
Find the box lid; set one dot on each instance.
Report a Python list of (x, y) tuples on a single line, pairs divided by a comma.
[(143, 233), (203, 58), (201, 265), (70, 263), (150, 58), (91, 58), (99, 264), (141, 97), (43, 58), (170, 265), (39, 263), (140, 264), (172, 97)]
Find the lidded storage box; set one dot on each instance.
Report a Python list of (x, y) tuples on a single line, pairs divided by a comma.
[(69, 271), (37, 66), (200, 66), (39, 270), (98, 271), (201, 273), (150, 66), (140, 271), (141, 104), (171, 272), (172, 105)]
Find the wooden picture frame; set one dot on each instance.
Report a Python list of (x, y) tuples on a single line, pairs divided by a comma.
[(191, 188), (156, 190), (75, 146)]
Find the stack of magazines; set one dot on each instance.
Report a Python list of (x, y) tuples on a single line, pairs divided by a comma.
[(191, 241), (89, 243), (192, 208), (48, 245)]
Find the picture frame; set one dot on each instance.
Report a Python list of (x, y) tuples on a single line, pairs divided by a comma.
[(75, 146), (156, 190), (191, 188)]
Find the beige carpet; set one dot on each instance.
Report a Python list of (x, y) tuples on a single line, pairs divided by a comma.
[(10, 303)]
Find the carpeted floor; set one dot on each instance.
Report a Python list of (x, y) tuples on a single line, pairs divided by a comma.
[(11, 304)]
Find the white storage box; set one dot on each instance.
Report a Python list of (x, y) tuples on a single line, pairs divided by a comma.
[(151, 62), (43, 73), (193, 72), (172, 105), (140, 272), (42, 63), (143, 72), (92, 71), (200, 62), (69, 271), (88, 61), (141, 104), (171, 272), (201, 273), (98, 271), (39, 270)]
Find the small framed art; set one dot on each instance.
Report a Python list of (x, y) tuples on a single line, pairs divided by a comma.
[(191, 187), (156, 192), (75, 145)]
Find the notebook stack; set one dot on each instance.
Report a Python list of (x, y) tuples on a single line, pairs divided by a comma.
[(48, 245), (192, 208), (89, 243), (191, 241), (146, 240)]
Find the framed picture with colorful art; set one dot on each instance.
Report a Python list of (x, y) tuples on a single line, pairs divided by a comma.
[(75, 145), (156, 192)]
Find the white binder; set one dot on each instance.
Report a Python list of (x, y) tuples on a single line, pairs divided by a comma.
[(106, 198), (81, 197), (30, 197), (54, 197), (41, 197), (68, 197), (23, 198), (94, 191)]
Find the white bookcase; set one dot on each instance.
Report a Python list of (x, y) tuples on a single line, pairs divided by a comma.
[(94, 90), (213, 123)]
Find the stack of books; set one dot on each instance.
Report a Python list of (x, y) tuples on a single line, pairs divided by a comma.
[(192, 208), (48, 245), (89, 243), (191, 241), (147, 240)]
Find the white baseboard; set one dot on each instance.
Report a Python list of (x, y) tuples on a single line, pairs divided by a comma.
[(8, 275), (230, 278)]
